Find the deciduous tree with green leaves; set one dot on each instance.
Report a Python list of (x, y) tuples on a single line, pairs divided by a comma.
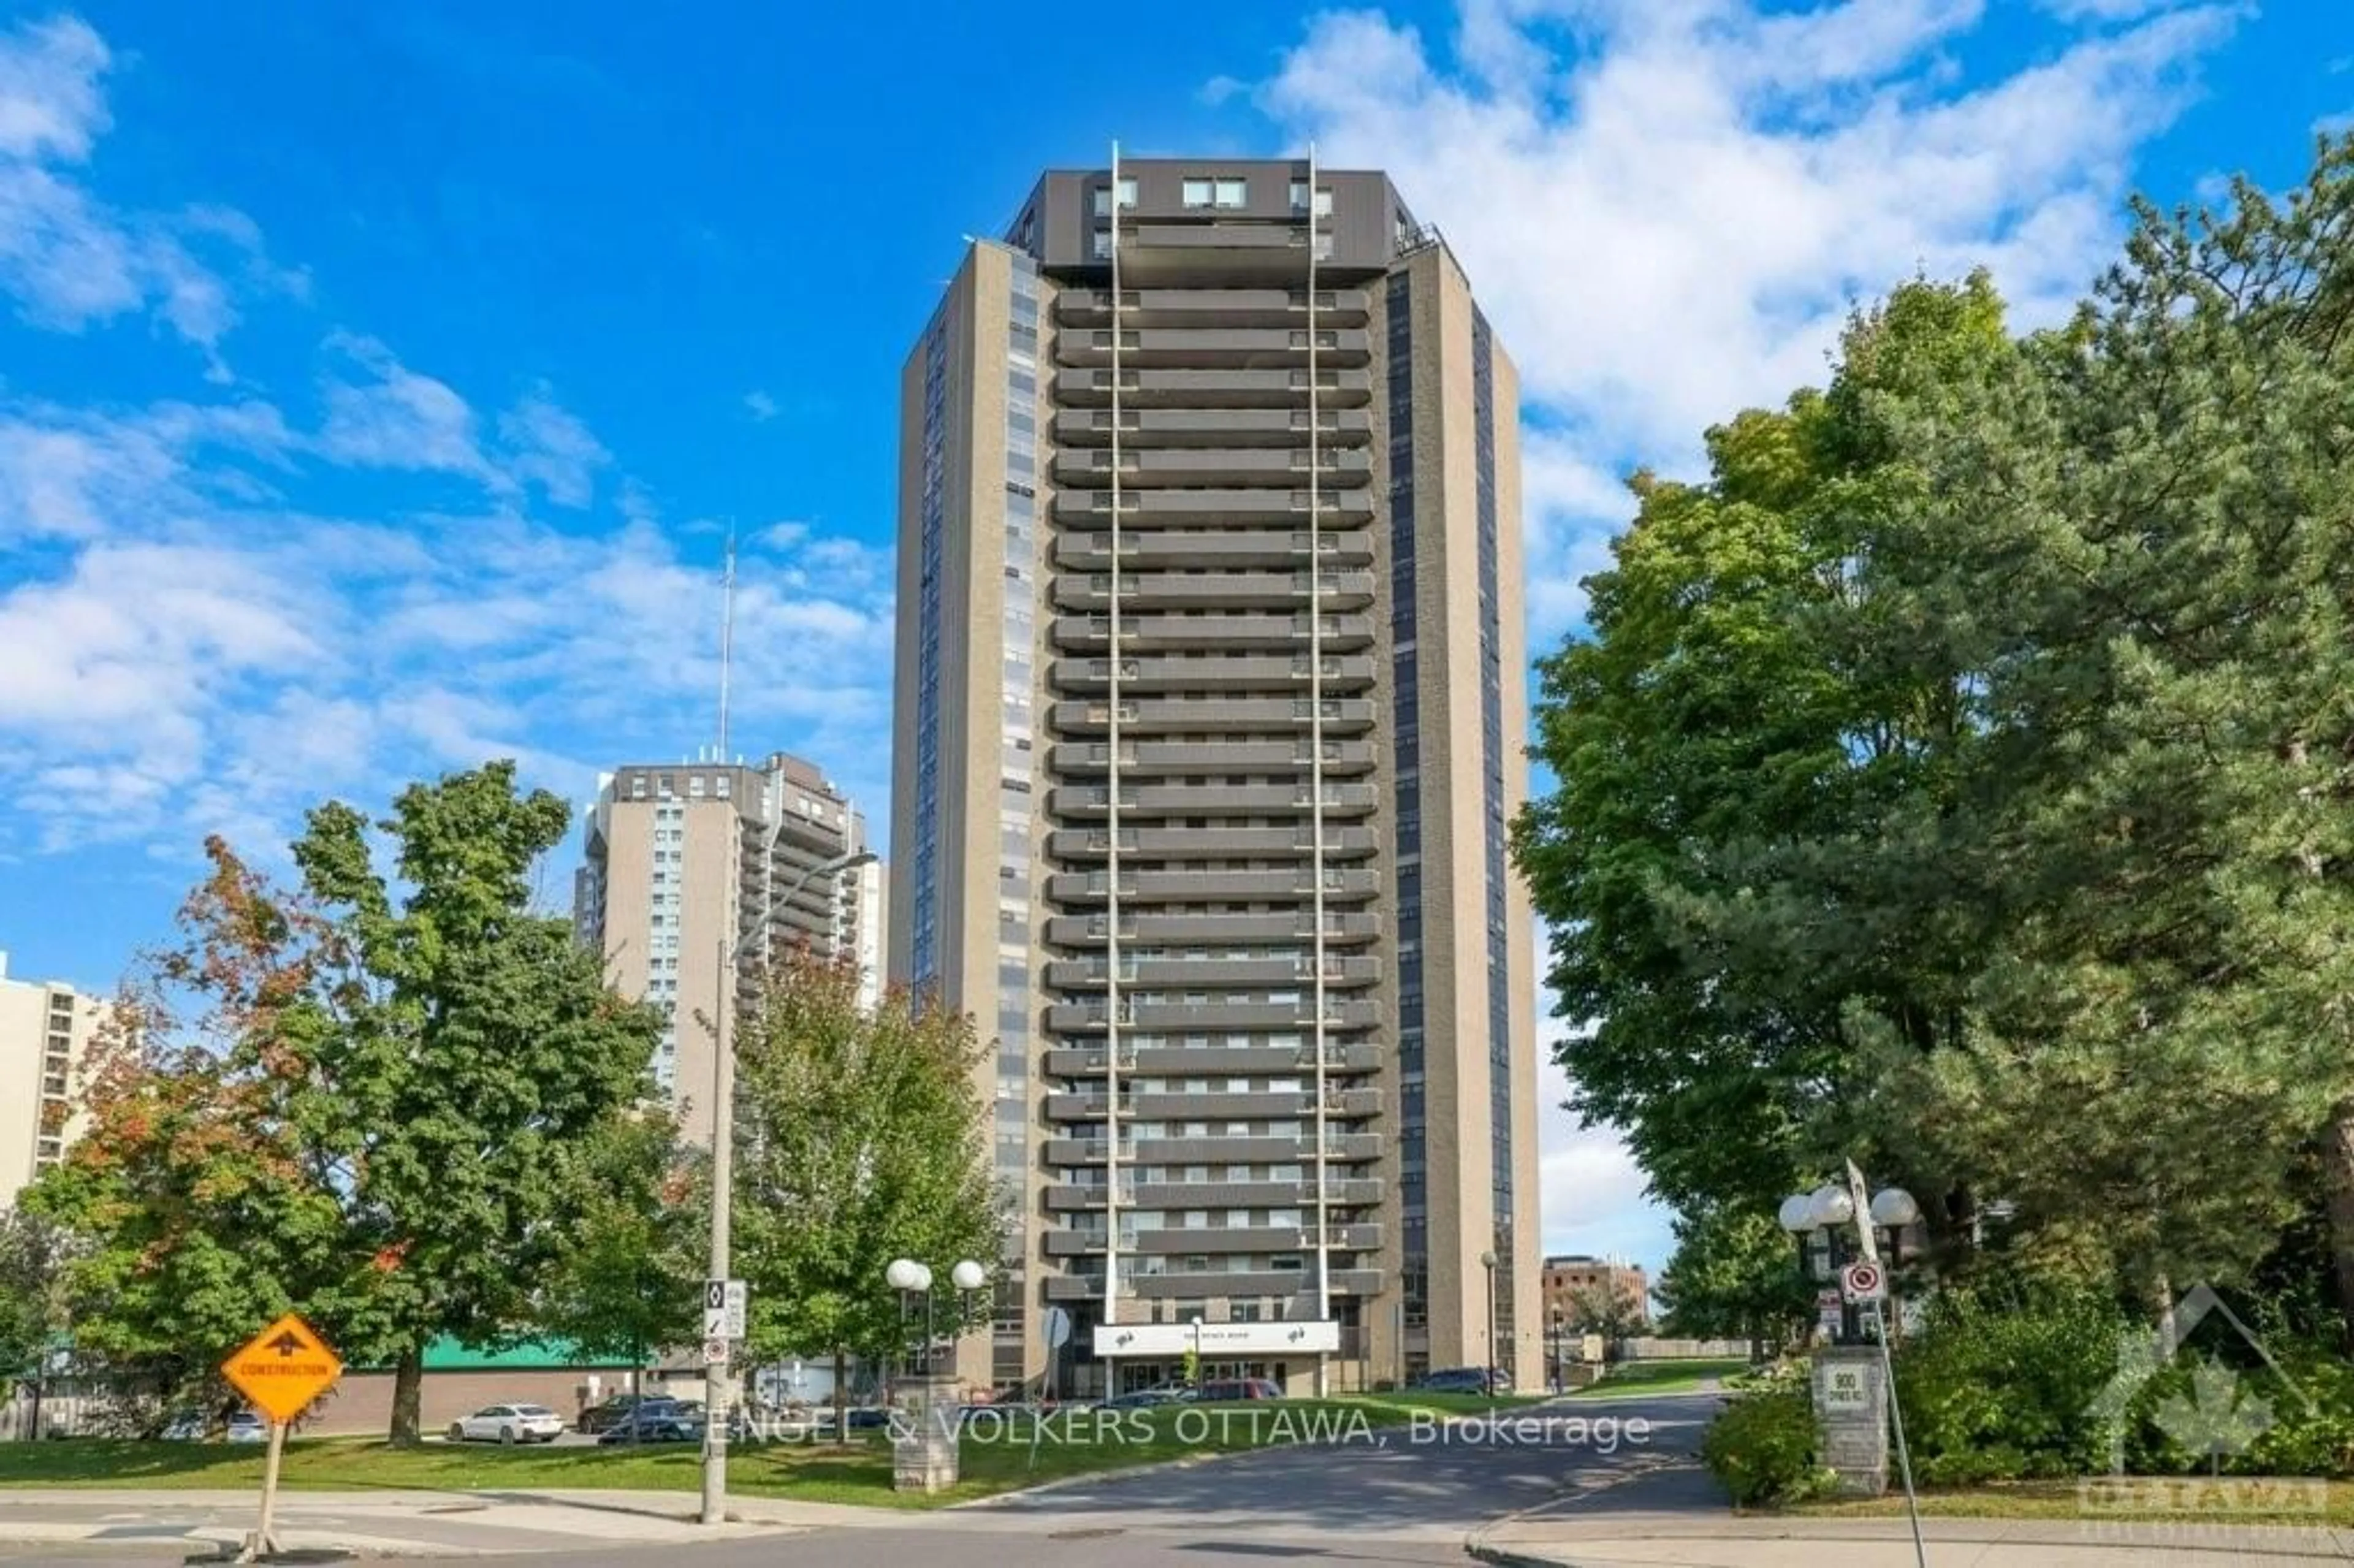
[(1734, 1276), (626, 1276), (478, 1044), (860, 1137)]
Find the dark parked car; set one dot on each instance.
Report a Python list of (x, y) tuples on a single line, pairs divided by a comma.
[(656, 1421), (1462, 1380), (603, 1417), (1226, 1390)]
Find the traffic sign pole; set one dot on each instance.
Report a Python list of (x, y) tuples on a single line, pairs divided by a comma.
[(264, 1538)]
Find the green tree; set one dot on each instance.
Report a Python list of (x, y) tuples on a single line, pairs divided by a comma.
[(1734, 1276), (1762, 816), (479, 1040), (859, 1138), (200, 1203), (627, 1276), (1609, 1309), (35, 1251)]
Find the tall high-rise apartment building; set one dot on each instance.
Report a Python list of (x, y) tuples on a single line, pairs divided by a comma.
[(1209, 719), (681, 858), (46, 1034)]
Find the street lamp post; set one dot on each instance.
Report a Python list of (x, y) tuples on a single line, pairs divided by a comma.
[(1488, 1262), (720, 1391)]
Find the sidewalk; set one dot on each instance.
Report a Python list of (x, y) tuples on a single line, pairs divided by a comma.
[(1674, 1515), (381, 1523)]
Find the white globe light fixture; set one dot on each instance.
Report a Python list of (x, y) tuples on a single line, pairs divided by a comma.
[(904, 1275), (1832, 1206), (1894, 1207), (1797, 1215), (969, 1276)]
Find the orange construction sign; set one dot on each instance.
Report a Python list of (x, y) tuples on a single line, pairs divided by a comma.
[(283, 1368)]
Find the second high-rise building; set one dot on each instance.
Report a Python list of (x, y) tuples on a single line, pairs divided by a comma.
[(1210, 716)]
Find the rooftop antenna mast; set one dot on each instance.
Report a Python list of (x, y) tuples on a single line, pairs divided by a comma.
[(726, 635)]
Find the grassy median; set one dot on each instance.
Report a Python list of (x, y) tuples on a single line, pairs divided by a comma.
[(1662, 1377), (998, 1455)]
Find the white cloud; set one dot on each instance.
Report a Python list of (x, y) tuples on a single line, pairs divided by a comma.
[(392, 416), (68, 259), (1667, 205), (552, 448), (760, 405)]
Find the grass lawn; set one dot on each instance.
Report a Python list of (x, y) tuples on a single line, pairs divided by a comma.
[(1662, 1377), (2233, 1500), (997, 1457)]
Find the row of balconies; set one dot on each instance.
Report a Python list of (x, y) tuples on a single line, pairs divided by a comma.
[(1141, 633), (1354, 1104), (1232, 549), (1216, 388), (1207, 347), (1143, 592), (1074, 1062), (1340, 886), (1341, 1012), (1269, 969), (1078, 1243), (1342, 757), (1221, 715), (1341, 927), (1160, 844), (1233, 505), (1213, 307), (1336, 467), (1089, 1286), (1218, 1149), (1220, 429), (1338, 1191), (1340, 799), (1219, 672)]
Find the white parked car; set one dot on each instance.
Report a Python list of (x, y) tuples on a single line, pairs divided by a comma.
[(508, 1423)]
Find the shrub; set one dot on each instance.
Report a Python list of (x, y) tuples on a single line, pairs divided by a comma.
[(1761, 1449), (2005, 1385)]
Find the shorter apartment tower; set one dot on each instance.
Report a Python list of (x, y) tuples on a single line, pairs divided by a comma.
[(46, 1034), (681, 860)]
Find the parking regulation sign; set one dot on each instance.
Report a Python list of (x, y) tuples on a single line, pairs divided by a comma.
[(1863, 1282), (722, 1308)]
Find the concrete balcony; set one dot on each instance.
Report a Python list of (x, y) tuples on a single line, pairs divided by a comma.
[(1208, 345), (1212, 307), (1341, 929), (1354, 1105), (1341, 1012), (1070, 1062), (1143, 801), (1191, 1287), (1338, 1192), (1144, 635), (1339, 468), (1144, 592), (1222, 715), (1344, 674), (1086, 844), (1149, 1241), (1265, 550), (1285, 499), (1213, 389), (1239, 1149), (1283, 883), (1152, 429)]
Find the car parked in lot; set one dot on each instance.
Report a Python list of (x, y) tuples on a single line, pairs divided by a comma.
[(656, 1421), (1227, 1390), (245, 1427), (1144, 1398), (1462, 1380), (508, 1423)]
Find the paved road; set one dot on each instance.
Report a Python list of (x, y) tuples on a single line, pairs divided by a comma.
[(1346, 1496)]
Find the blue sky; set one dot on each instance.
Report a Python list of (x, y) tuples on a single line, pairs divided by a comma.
[(376, 384)]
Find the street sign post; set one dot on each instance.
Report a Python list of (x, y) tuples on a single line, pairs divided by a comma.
[(1863, 1282), (281, 1369)]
